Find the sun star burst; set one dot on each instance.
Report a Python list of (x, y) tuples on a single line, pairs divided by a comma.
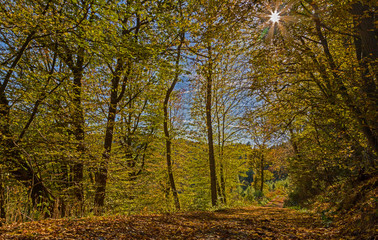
[(274, 17)]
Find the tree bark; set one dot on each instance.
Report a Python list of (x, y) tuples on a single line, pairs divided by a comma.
[(209, 83), (78, 130), (123, 63), (221, 142), (101, 175), (168, 141)]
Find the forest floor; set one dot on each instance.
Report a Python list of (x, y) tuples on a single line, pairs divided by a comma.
[(268, 222)]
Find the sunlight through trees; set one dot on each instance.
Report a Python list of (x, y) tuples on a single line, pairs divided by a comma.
[(125, 107)]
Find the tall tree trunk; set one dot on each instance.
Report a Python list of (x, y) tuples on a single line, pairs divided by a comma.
[(168, 140), (221, 141), (221, 165), (101, 176), (78, 130), (209, 84), (77, 118)]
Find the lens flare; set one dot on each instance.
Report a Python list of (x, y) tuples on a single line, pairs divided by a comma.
[(274, 17)]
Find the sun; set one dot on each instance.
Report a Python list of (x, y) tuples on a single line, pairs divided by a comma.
[(274, 17)]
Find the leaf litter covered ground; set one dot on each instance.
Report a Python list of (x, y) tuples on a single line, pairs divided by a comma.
[(269, 222)]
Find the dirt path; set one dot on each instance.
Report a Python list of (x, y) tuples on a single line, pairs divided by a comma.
[(278, 201), (245, 223)]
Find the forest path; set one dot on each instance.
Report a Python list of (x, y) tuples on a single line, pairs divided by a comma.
[(278, 201), (244, 223)]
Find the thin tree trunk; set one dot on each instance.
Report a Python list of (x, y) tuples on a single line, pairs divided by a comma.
[(213, 177), (262, 172), (168, 141), (221, 131), (222, 182), (221, 159), (2, 198)]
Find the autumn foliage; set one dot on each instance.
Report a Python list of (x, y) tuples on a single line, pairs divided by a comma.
[(155, 107)]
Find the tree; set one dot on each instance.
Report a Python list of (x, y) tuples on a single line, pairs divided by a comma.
[(314, 91), (14, 50), (119, 78), (72, 49), (262, 133), (213, 43), (166, 119), (136, 44)]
